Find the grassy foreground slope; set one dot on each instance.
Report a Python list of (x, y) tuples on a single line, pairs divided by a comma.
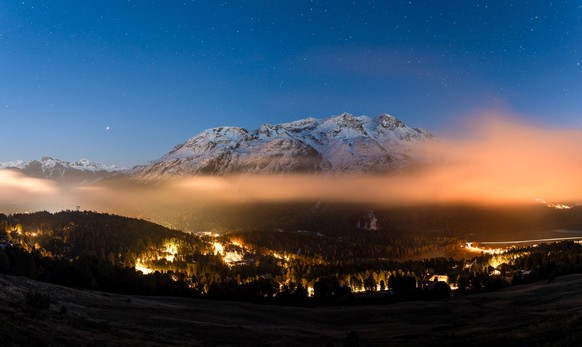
[(529, 315)]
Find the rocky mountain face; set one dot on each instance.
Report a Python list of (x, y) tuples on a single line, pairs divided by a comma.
[(82, 171), (339, 144)]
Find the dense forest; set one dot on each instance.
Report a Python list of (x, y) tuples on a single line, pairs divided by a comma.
[(105, 252)]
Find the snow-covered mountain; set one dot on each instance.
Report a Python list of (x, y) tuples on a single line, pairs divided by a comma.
[(82, 171), (343, 143)]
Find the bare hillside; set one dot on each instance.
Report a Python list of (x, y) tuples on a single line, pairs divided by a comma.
[(529, 315)]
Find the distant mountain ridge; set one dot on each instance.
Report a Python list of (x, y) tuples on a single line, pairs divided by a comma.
[(81, 171), (343, 143), (337, 144)]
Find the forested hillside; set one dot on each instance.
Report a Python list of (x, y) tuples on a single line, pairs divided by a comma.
[(125, 255)]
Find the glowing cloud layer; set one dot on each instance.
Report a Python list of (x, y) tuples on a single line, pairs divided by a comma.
[(499, 160)]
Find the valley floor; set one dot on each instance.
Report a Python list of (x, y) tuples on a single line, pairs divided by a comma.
[(529, 315)]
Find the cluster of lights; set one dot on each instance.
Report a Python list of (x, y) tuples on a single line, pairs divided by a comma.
[(229, 257), (472, 248), (169, 252), (557, 206), (499, 256), (139, 266), (281, 257)]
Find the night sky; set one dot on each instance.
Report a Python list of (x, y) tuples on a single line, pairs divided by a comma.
[(122, 82)]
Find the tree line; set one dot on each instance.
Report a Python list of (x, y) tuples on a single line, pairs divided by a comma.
[(99, 251)]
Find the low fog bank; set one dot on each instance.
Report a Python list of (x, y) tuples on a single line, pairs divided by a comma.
[(499, 160)]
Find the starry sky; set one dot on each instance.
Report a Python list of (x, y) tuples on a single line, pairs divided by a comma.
[(122, 82)]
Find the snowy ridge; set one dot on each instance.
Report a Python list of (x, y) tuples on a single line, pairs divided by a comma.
[(343, 143), (18, 164), (87, 165), (82, 171)]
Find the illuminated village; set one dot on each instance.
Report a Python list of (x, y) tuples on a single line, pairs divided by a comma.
[(242, 265)]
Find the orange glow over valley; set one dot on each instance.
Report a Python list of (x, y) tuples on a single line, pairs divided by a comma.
[(499, 160)]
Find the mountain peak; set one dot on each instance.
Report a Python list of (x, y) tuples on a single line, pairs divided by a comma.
[(346, 117), (389, 122), (84, 161), (341, 143)]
